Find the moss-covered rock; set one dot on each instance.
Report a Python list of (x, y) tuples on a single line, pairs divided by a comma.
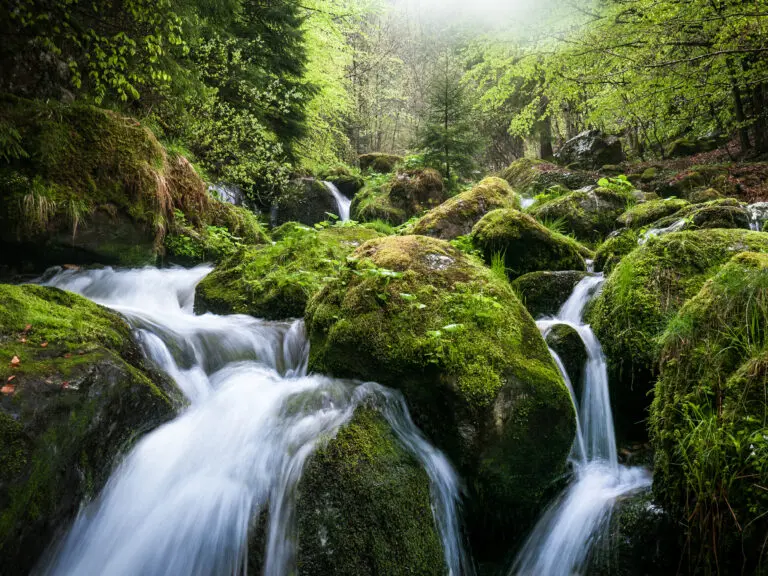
[(347, 181), (364, 508), (706, 195), (276, 281), (525, 245), (74, 393), (640, 297), (418, 315), (379, 162), (543, 293), (618, 244), (646, 213), (696, 179), (723, 213), (400, 197), (458, 215), (587, 215), (530, 177), (569, 346), (304, 200), (708, 415), (591, 149)]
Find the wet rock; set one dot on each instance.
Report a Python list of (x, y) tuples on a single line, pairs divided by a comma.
[(543, 293), (405, 195), (591, 150), (306, 200), (568, 345)]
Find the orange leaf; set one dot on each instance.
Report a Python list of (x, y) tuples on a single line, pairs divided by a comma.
[(15, 361), (68, 355), (28, 327), (8, 389), (44, 344)]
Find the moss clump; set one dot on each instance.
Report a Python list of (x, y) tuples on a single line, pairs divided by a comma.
[(458, 215), (418, 315), (723, 213), (77, 395), (379, 162), (543, 293), (275, 281), (708, 418), (640, 297), (587, 215), (364, 506), (347, 180), (530, 177), (616, 246), (707, 195), (646, 213), (399, 197), (525, 245)]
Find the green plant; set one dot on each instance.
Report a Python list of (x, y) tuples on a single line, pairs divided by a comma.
[(498, 267), (620, 184)]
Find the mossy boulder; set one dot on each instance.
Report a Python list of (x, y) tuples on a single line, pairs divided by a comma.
[(687, 183), (646, 213), (543, 293), (305, 200), (706, 195), (530, 177), (418, 315), (364, 507), (569, 346), (689, 146), (275, 281), (379, 162), (458, 215), (525, 245), (75, 393), (723, 213), (348, 182), (642, 294), (708, 415), (618, 244), (400, 197), (588, 215), (591, 150)]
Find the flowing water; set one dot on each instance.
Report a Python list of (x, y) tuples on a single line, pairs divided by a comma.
[(182, 500), (342, 202), (758, 215), (526, 202), (565, 535), (676, 226)]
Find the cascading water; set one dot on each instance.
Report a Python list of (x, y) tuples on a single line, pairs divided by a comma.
[(676, 226), (342, 202), (182, 500), (526, 202), (563, 538)]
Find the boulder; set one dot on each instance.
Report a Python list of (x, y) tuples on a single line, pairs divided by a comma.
[(418, 315), (379, 162), (708, 417), (758, 216), (723, 213), (363, 506), (569, 346), (641, 215), (524, 244), (398, 199), (618, 244), (458, 215), (642, 294), (690, 146), (588, 215), (590, 150), (275, 281), (305, 200), (75, 394), (543, 293), (697, 179), (348, 182), (530, 177)]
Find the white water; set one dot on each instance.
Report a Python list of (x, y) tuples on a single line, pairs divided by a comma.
[(342, 202), (526, 202), (674, 227), (758, 214), (182, 500), (563, 538)]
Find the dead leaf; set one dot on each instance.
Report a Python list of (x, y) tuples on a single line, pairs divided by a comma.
[(11, 378), (44, 345), (28, 327), (15, 361), (8, 389), (23, 340), (68, 355)]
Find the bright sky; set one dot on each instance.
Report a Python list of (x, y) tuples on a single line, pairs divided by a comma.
[(492, 11)]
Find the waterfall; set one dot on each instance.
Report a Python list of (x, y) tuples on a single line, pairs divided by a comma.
[(182, 500), (758, 214), (526, 202), (342, 202), (676, 226), (564, 536)]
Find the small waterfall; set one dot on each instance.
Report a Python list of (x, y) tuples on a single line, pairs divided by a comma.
[(561, 542), (342, 202), (676, 226), (526, 202), (758, 214), (227, 193), (182, 501)]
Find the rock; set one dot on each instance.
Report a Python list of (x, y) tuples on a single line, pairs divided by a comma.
[(649, 174), (568, 345), (530, 177), (418, 315), (612, 170), (758, 216), (344, 179), (587, 215), (642, 294), (708, 416), (379, 162), (525, 245), (543, 293), (697, 179), (78, 396), (706, 195), (618, 244), (691, 146), (364, 508), (591, 150), (641, 215), (276, 281), (305, 200), (405, 195), (458, 215), (724, 213)]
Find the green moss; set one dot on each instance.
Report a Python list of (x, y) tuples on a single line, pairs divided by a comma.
[(707, 195), (364, 506), (708, 418), (527, 246), (457, 216), (379, 162), (646, 213), (530, 177), (721, 213), (276, 281), (545, 292), (416, 314), (640, 297), (615, 247)]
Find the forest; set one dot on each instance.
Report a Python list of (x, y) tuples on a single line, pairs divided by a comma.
[(384, 287)]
